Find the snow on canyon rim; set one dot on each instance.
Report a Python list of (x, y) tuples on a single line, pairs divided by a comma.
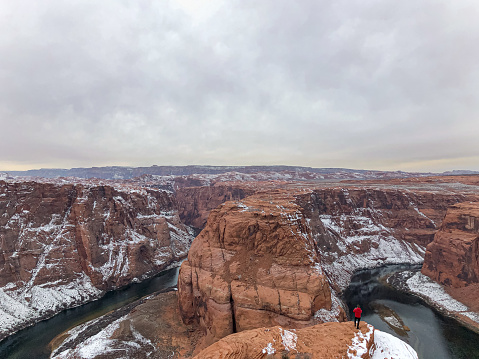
[(74, 240)]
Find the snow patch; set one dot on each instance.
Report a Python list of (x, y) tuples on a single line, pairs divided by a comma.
[(332, 315), (288, 339), (359, 344), (269, 349), (388, 346)]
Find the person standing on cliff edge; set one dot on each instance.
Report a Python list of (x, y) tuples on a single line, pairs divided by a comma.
[(357, 315)]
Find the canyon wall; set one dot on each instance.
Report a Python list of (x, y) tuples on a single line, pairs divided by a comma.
[(367, 227), (195, 203), (63, 244), (452, 259)]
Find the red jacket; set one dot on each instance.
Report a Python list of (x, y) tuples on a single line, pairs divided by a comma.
[(357, 312)]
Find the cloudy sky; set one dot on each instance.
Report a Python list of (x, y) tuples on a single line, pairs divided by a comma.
[(364, 84)]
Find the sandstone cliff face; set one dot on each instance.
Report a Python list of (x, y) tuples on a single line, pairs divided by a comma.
[(195, 203), (366, 227), (452, 259), (255, 264), (65, 244)]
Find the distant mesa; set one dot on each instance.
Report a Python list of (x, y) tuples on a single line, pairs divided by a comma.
[(118, 172)]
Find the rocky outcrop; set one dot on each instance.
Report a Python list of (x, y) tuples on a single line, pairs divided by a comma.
[(452, 259), (63, 244), (275, 258), (254, 264), (325, 341), (322, 341)]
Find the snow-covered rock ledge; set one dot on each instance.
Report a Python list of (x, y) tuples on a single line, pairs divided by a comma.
[(384, 346), (328, 340), (388, 346), (434, 295), (22, 308)]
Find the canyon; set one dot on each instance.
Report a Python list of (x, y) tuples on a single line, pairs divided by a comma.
[(270, 252), (63, 244)]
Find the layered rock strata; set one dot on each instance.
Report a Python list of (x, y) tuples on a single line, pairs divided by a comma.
[(65, 244), (358, 228), (273, 258), (255, 264), (452, 259), (195, 203)]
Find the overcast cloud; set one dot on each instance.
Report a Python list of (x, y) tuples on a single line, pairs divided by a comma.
[(359, 84)]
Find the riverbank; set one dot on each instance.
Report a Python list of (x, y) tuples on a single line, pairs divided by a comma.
[(18, 314), (435, 295), (149, 327), (32, 342)]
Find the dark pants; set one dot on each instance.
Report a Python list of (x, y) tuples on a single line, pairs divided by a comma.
[(357, 320)]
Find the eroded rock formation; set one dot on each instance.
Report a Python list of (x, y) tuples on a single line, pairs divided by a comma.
[(255, 264), (65, 244), (275, 257), (452, 259)]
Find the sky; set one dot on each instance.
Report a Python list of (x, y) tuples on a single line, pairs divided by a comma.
[(385, 85)]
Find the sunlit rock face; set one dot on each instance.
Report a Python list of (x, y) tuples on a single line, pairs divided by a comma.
[(254, 264), (452, 259), (63, 244)]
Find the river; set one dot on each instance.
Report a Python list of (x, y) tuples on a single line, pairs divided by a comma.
[(431, 334), (32, 342)]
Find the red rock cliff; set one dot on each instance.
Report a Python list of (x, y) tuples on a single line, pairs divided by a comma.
[(360, 227), (452, 259), (64, 244), (254, 264)]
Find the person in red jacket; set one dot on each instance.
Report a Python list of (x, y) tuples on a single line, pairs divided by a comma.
[(357, 315)]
